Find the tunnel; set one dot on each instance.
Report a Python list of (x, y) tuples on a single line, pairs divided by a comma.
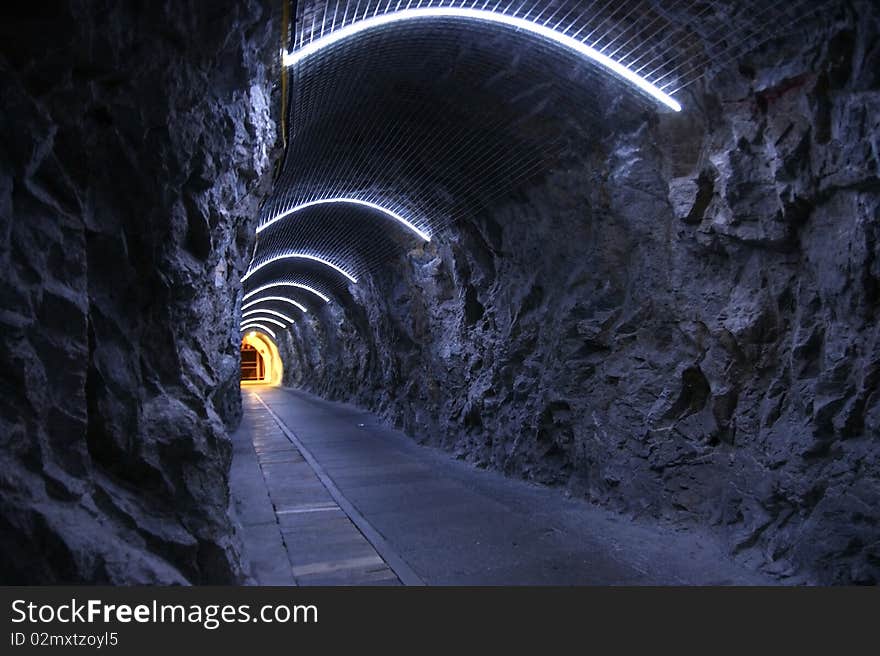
[(444, 292), (260, 360)]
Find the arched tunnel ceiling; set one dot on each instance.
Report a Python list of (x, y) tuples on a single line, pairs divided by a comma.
[(256, 326), (412, 121)]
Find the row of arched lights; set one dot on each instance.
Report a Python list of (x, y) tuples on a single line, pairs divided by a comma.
[(255, 318)]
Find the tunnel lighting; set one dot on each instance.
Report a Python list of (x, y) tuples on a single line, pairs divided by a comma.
[(298, 285), (349, 201), (269, 319), (281, 299), (303, 256), (272, 312), (260, 326), (375, 22)]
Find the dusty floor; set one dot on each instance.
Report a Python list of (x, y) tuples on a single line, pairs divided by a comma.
[(326, 494)]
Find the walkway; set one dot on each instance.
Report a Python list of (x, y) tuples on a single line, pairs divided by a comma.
[(328, 495)]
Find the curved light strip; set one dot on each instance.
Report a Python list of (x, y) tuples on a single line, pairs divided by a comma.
[(244, 328), (269, 319), (272, 312), (250, 323), (298, 285), (282, 299), (349, 201), (303, 256), (352, 29)]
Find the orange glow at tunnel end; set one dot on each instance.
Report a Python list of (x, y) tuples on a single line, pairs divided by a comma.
[(273, 368)]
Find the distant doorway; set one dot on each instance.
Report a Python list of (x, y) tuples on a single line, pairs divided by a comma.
[(252, 367), (260, 360)]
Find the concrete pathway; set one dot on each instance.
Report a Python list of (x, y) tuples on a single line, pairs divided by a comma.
[(294, 531), (329, 495)]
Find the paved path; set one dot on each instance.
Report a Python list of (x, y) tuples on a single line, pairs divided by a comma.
[(294, 530), (329, 495)]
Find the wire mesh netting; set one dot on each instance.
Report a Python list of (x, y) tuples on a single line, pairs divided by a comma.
[(397, 132)]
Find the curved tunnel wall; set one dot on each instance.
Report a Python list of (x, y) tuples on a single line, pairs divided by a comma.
[(656, 321), (135, 143), (674, 316), (426, 145)]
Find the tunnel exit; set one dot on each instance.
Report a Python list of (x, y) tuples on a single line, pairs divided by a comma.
[(260, 360)]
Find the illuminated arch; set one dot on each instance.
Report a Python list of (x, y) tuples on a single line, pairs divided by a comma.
[(269, 319), (280, 299), (302, 256), (298, 285), (422, 13), (274, 313), (350, 201), (248, 326), (268, 350)]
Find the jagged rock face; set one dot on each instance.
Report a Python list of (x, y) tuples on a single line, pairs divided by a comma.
[(134, 139), (683, 324)]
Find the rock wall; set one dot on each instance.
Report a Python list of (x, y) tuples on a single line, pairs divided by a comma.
[(682, 323), (135, 138)]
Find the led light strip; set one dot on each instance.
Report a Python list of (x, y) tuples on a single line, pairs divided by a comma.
[(281, 299), (349, 201), (303, 256), (269, 319), (267, 311), (298, 285), (377, 21), (244, 328)]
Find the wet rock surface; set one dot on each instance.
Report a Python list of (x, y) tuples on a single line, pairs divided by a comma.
[(134, 140), (681, 323)]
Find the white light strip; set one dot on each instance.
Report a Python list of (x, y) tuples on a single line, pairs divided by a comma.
[(298, 285), (349, 201), (267, 311), (281, 299), (352, 29), (269, 319), (303, 256), (245, 328)]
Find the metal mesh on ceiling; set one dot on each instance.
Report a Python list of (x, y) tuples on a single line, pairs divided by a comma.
[(433, 120), (672, 43)]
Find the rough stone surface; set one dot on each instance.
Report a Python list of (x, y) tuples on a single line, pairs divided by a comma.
[(133, 138), (681, 324)]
